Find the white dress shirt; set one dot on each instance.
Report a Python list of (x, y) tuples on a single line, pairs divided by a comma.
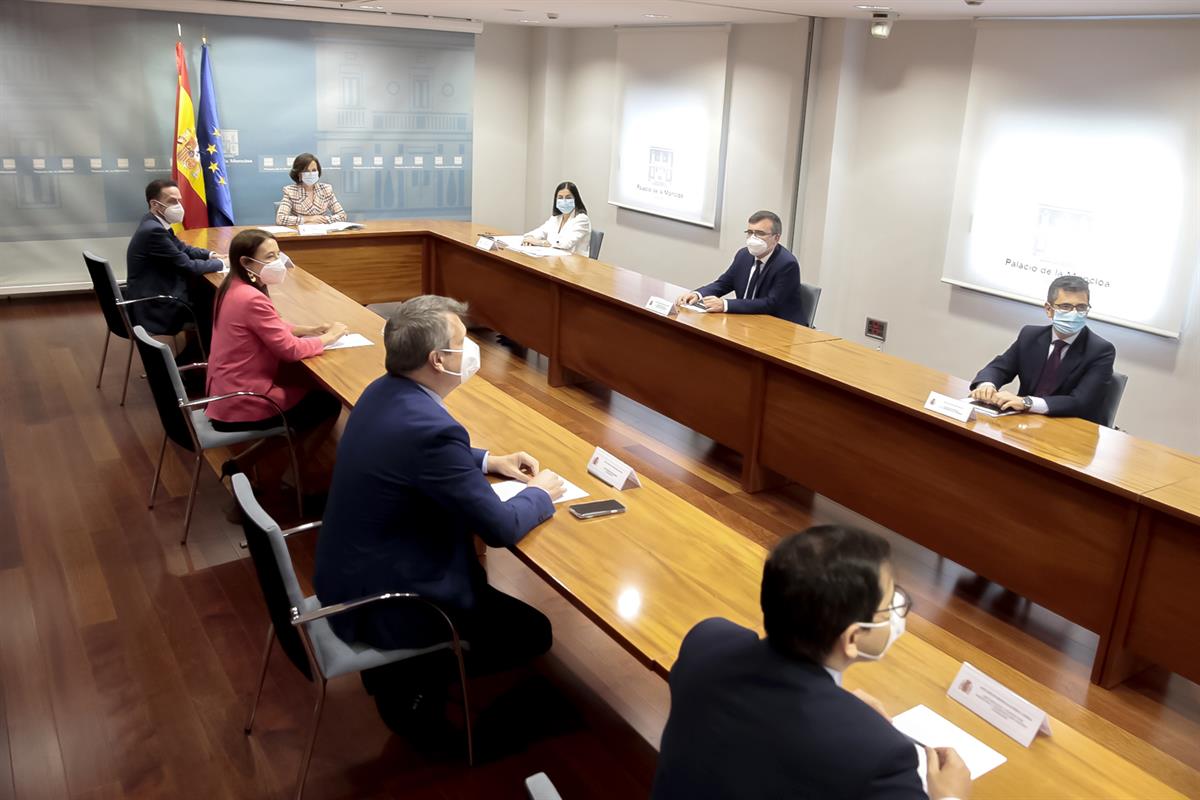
[(1039, 405), (575, 236)]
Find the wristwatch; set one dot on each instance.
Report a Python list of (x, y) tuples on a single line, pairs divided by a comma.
[(1028, 401)]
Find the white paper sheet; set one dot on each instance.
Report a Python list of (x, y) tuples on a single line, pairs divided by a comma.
[(506, 490), (276, 229), (934, 730), (509, 241), (350, 340)]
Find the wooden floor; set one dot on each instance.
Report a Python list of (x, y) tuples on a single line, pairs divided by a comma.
[(126, 661)]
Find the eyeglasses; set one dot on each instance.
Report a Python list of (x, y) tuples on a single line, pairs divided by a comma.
[(760, 234), (901, 603), (1082, 308)]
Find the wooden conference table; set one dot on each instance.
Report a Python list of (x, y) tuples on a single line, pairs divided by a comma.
[(1054, 509), (647, 576)]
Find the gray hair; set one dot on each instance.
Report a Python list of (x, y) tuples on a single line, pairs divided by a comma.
[(416, 329), (1067, 283), (776, 223)]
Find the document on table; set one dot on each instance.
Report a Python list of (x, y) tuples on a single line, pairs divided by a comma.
[(507, 490), (929, 728), (321, 228), (276, 229), (350, 340), (514, 243), (986, 410)]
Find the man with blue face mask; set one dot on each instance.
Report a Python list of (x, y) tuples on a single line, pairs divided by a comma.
[(755, 717), (1064, 367), (764, 276)]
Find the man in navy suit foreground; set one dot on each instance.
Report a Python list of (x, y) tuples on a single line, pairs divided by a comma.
[(409, 492), (1064, 368), (755, 717), (764, 276)]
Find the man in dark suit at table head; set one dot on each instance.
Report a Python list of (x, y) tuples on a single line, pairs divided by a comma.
[(409, 494), (1064, 367), (764, 276), (157, 263), (755, 717)]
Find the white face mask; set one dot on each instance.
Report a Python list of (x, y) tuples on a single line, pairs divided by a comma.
[(172, 214), (310, 178), (756, 246), (272, 273), (896, 627), (470, 360)]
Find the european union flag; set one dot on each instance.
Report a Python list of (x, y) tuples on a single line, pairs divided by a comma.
[(212, 156)]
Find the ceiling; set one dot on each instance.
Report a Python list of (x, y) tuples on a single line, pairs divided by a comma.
[(604, 13)]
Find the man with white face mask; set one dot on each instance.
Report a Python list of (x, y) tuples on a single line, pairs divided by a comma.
[(159, 264), (764, 276), (755, 717), (409, 493), (1064, 367)]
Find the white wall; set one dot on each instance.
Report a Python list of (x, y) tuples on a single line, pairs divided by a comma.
[(501, 126), (890, 115), (573, 81)]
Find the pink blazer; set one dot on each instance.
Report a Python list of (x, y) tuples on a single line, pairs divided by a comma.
[(249, 343)]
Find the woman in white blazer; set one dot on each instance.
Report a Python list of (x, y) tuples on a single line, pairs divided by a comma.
[(307, 199), (568, 227)]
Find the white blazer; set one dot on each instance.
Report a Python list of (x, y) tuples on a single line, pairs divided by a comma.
[(575, 236)]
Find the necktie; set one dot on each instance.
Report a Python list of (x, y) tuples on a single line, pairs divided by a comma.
[(755, 275), (1048, 380)]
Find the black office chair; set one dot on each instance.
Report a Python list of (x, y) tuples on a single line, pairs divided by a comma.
[(594, 243), (113, 306), (185, 423), (809, 297), (301, 623), (1112, 399)]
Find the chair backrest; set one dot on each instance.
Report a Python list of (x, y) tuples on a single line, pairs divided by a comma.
[(165, 385), (108, 293), (594, 243), (1112, 399), (276, 575), (809, 297)]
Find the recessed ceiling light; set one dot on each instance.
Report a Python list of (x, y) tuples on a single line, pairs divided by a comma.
[(655, 16), (370, 8), (530, 21), (516, 10), (874, 8)]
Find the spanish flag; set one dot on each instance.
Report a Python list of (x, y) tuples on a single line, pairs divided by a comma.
[(186, 168)]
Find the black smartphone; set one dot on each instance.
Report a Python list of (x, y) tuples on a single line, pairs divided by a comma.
[(600, 508)]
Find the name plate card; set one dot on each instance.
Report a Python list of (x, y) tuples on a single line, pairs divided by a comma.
[(949, 407), (661, 306), (612, 470), (486, 243), (998, 705)]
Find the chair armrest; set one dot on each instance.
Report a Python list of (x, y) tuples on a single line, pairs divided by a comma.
[(341, 608), (190, 367), (308, 526), (169, 298), (204, 401)]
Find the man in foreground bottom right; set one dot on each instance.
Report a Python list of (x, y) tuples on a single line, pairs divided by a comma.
[(755, 717)]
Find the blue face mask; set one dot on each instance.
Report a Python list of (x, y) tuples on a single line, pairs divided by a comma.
[(565, 204), (1068, 323)]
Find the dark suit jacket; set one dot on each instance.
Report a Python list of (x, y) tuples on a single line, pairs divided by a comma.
[(748, 722), (407, 495), (1083, 377), (158, 263), (778, 292)]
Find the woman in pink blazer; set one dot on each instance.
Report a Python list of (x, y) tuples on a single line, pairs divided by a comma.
[(252, 347)]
